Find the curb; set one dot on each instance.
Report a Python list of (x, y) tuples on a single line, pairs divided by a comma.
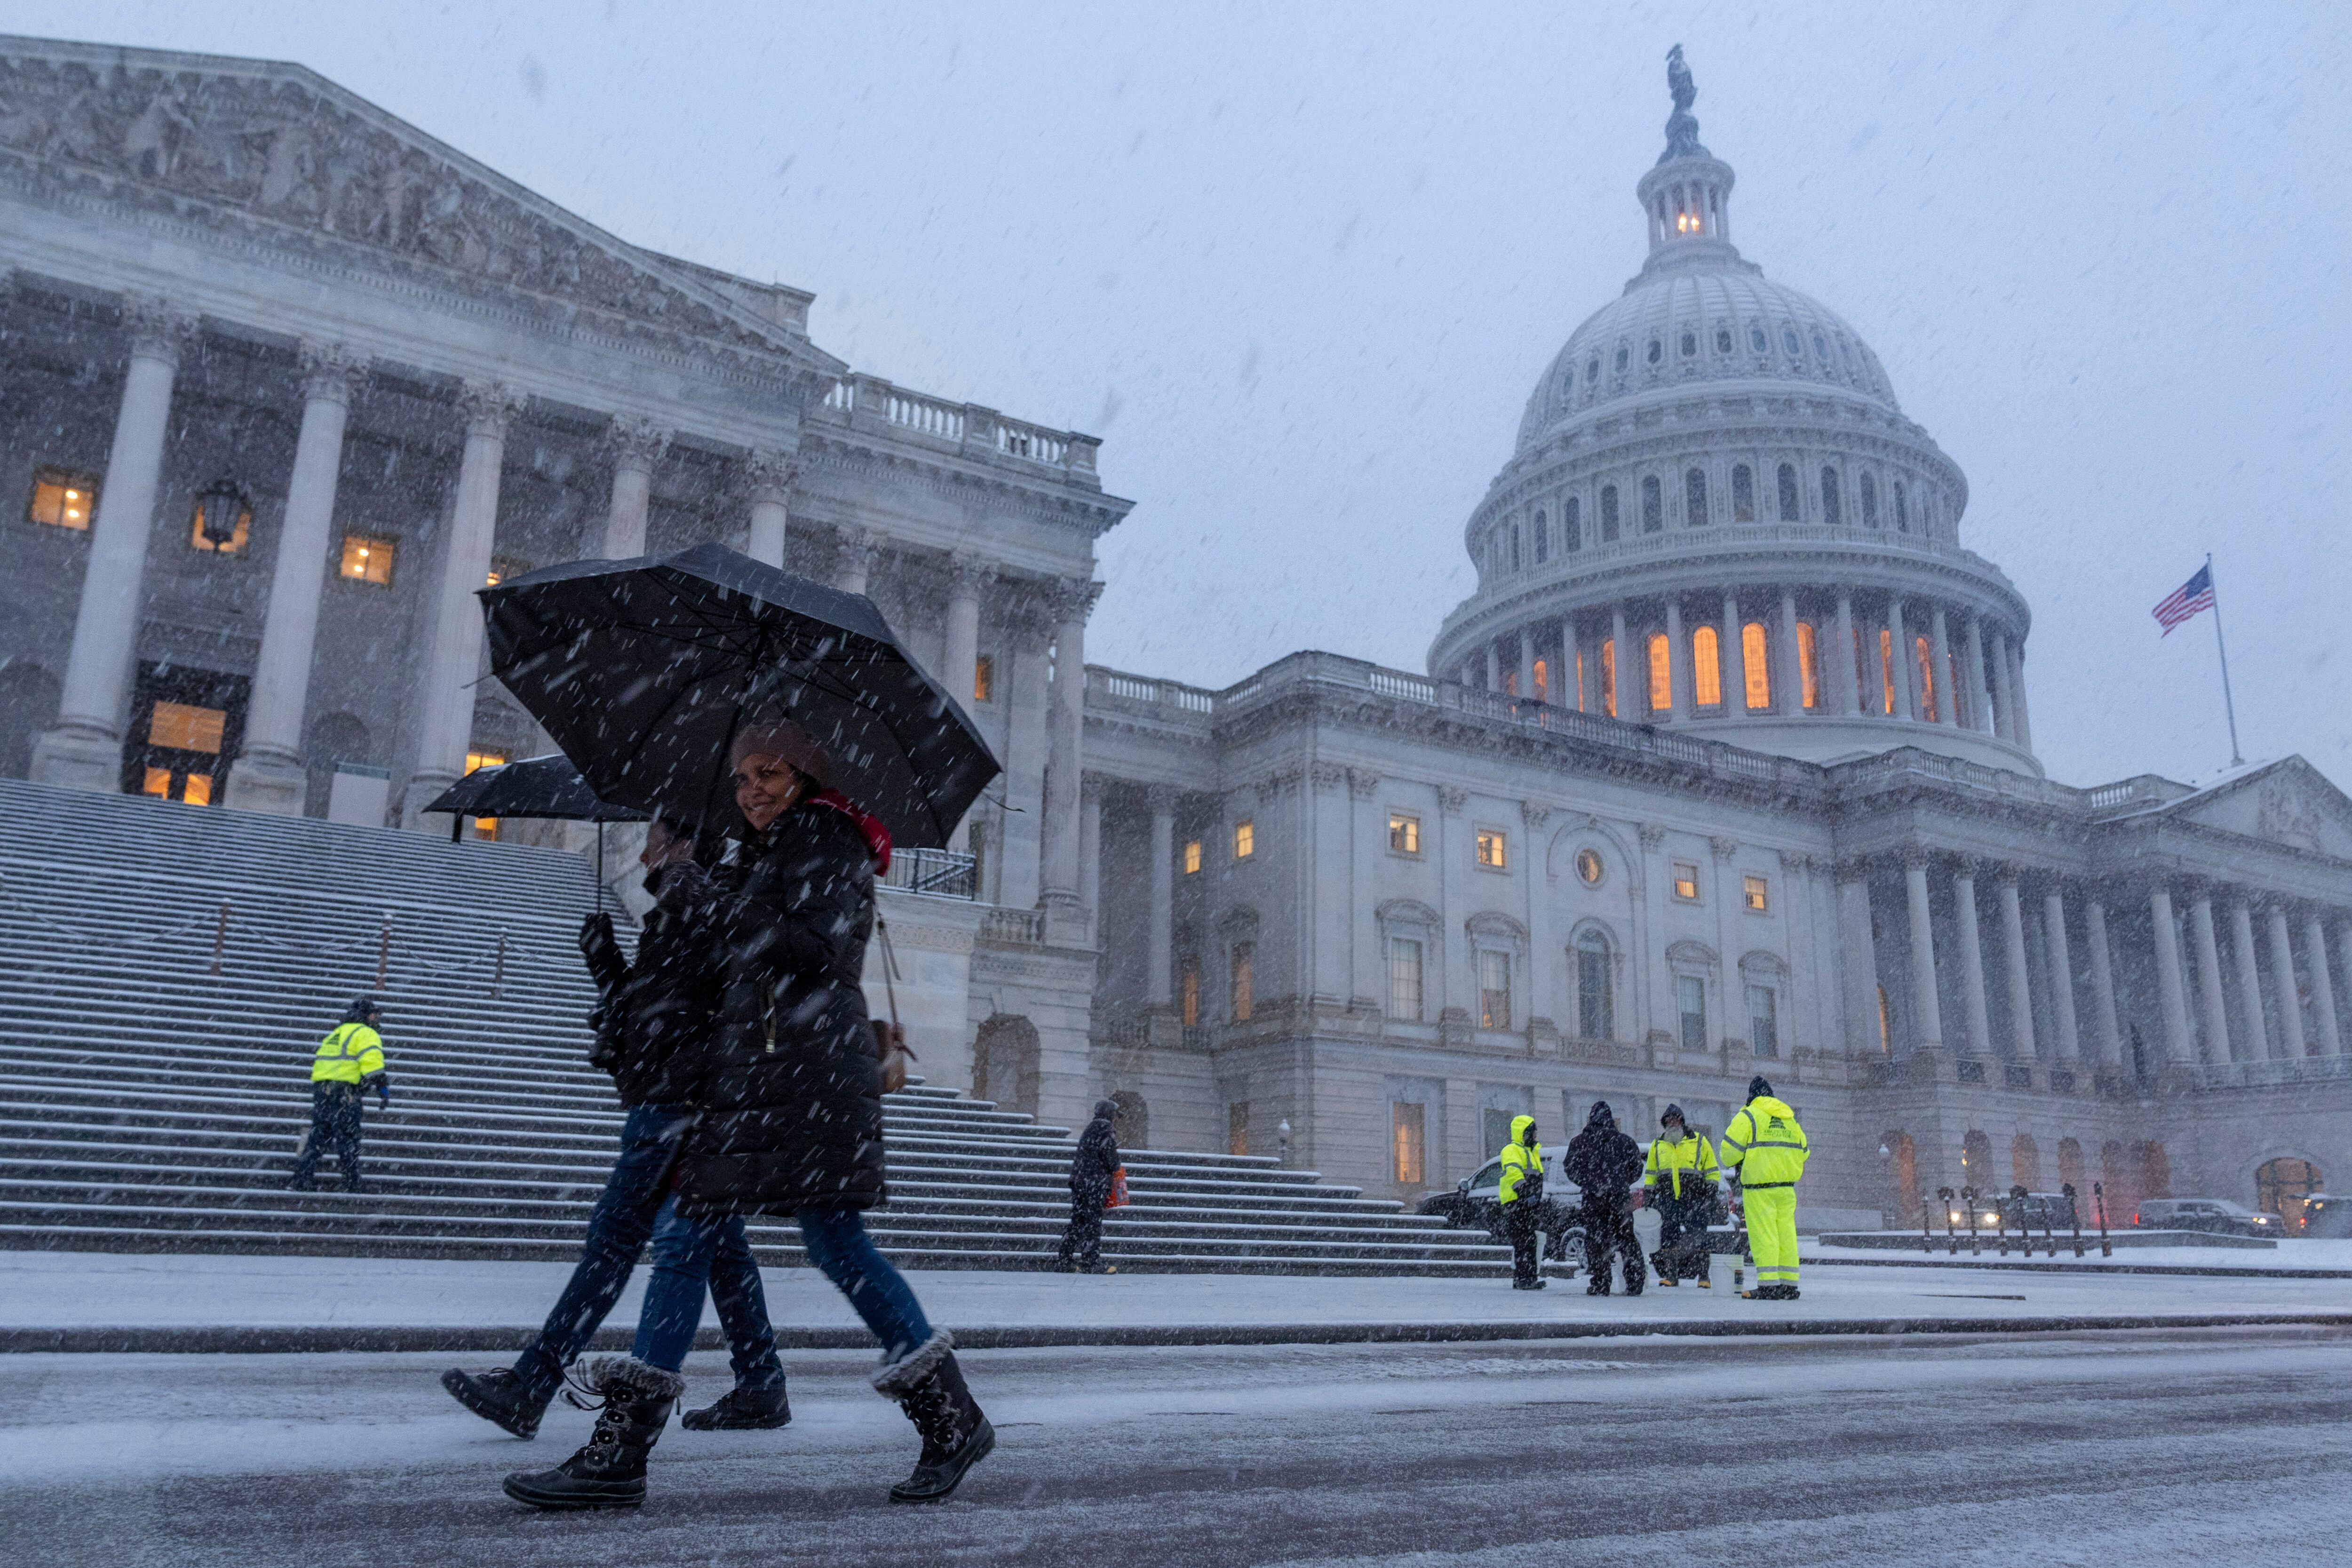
[(2197, 1270), (327, 1340)]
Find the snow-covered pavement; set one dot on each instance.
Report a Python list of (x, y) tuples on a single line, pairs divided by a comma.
[(2218, 1448)]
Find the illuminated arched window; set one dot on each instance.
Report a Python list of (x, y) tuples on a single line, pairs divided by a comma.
[(1809, 665), (1543, 680), (1886, 666), (1902, 508), (1608, 514), (1662, 674), (1653, 505), (1706, 672), (1571, 525), (1787, 492), (1743, 494), (1609, 675), (1694, 513), (1869, 500), (1832, 511), (1752, 650), (1924, 654), (1543, 538)]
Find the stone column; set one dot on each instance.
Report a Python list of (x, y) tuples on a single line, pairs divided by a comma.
[(1061, 894), (1900, 664), (454, 656), (2004, 709), (1526, 640), (2020, 988), (2062, 974), (2323, 984), (1939, 642), (1494, 665), (2103, 983), (1842, 672), (1090, 793), (1789, 669), (860, 549), (1857, 959), (268, 776), (1159, 975), (636, 444), (85, 749), (1928, 1013), (768, 483), (1971, 682), (1972, 980), (1567, 685), (2209, 975), (960, 659), (2024, 724), (2292, 1044), (1678, 685), (1614, 702), (1731, 660), (2173, 995), (2250, 980)]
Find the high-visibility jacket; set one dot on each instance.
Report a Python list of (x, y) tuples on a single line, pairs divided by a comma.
[(1765, 1145), (1520, 1159), (354, 1051), (1667, 1162)]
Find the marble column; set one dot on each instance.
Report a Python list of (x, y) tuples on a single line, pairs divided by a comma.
[(2109, 1035), (1843, 676), (1494, 665), (1527, 641), (1616, 704), (1568, 681), (454, 653), (1970, 685), (1972, 979), (2208, 976), (636, 444), (2322, 985), (2023, 725), (2004, 709), (1788, 667), (1731, 660), (2062, 974), (1901, 666), (1678, 683), (860, 549), (1939, 642), (768, 484), (85, 749), (960, 659), (1061, 893), (1159, 974), (2292, 1044), (1927, 1011), (2021, 986), (2250, 981), (1857, 960), (2172, 995), (267, 775), (1090, 793)]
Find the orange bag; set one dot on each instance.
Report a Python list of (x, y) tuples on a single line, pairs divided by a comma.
[(1117, 1198)]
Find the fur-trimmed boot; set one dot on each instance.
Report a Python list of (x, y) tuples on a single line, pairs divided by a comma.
[(633, 1401), (930, 1387), (500, 1398)]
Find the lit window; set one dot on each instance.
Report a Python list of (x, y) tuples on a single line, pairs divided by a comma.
[(1588, 868), (1492, 850), (1886, 665), (367, 560), (158, 782), (62, 500), (1608, 514), (1690, 1000), (1188, 991), (198, 790), (1869, 500), (1406, 1128), (1596, 1016), (1755, 893), (1809, 669), (1752, 651), (1404, 832), (1743, 493), (1245, 839), (1653, 505), (983, 676), (1694, 513), (1237, 1127), (504, 567), (1763, 1021), (1242, 961), (1404, 979), (1706, 670), (1923, 654), (1787, 492), (1832, 508), (1191, 855), (1662, 674), (1686, 881), (1609, 675), (182, 726), (1494, 989), (484, 827)]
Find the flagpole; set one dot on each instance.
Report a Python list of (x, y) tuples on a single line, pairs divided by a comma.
[(2228, 705)]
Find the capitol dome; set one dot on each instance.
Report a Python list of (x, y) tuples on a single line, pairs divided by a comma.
[(1716, 515)]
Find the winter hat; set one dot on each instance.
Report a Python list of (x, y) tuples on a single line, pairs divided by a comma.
[(771, 734), (1673, 1114), (362, 1009), (1105, 1110), (1600, 1116), (1757, 1087)]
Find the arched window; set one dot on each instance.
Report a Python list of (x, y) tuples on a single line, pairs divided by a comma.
[(1923, 654), (1653, 505), (1976, 1162), (1596, 1007), (1833, 512), (1722, 340), (1886, 666), (1662, 674), (2281, 1185), (1592, 370), (1758, 342), (1809, 664), (1694, 513), (1752, 650), (1820, 349), (1543, 680), (1609, 675), (1743, 494), (1657, 350), (1902, 508), (2070, 1164), (1869, 500), (1904, 1168), (1706, 672), (1624, 357), (2025, 1162), (1514, 547), (1788, 341), (1543, 538), (1572, 524), (1608, 514), (2153, 1166), (1690, 343), (1787, 492)]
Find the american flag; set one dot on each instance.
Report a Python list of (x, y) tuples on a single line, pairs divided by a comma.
[(2187, 600)]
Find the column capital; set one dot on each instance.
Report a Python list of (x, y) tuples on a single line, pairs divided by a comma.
[(1090, 787), (1915, 857), (635, 442), (329, 370), (1534, 816), (768, 475), (1722, 847), (1073, 600), (159, 328), (970, 575), (1362, 782), (1327, 777), (1161, 798), (1451, 799), (861, 548), (490, 406)]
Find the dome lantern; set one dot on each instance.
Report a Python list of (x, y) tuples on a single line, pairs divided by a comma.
[(1687, 195)]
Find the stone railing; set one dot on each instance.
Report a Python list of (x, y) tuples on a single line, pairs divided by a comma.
[(974, 431), (2270, 1074), (2102, 800), (936, 873), (1025, 928)]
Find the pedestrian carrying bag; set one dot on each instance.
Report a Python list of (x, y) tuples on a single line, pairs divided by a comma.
[(1116, 1198), (889, 1039)]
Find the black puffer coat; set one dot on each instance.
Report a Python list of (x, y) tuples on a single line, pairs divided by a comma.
[(667, 996), (1602, 1162), (787, 1083), (1098, 1155)]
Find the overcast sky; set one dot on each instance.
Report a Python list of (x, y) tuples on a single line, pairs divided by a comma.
[(1300, 265)]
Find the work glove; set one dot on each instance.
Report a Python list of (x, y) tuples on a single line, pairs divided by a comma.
[(383, 1097)]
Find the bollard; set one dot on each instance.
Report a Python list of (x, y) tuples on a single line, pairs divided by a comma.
[(498, 974), (220, 936), (1969, 1196), (2099, 1196), (383, 951), (1944, 1195), (1927, 1228)]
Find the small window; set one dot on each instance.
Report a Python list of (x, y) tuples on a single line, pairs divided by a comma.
[(1493, 852), (1657, 352), (1188, 991), (1624, 357), (1404, 832), (1707, 670), (1833, 512), (1686, 881), (1243, 953), (1596, 1015), (1820, 349), (1763, 1021), (983, 676), (1756, 893), (1237, 1127), (1923, 654), (1494, 989), (1245, 839), (1406, 1129), (1757, 341), (1592, 370), (1788, 341), (1743, 493), (1662, 674), (1690, 343), (1590, 868), (1722, 340), (1543, 538), (1694, 513), (1690, 1000), (1572, 525), (1869, 500), (1757, 668), (183, 727), (503, 568), (367, 560), (1902, 508), (1809, 665), (1191, 855), (1653, 505), (62, 499), (1404, 979), (1787, 492), (1608, 514)]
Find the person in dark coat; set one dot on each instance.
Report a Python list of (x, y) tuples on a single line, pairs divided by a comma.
[(1090, 1179), (788, 1085), (1604, 1164)]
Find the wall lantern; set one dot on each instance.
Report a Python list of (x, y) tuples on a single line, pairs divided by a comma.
[(224, 513)]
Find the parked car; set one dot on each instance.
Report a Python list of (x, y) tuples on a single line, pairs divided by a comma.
[(2036, 1212), (2325, 1215), (1476, 1204), (2218, 1216)]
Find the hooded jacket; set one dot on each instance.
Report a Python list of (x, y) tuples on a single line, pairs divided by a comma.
[(1522, 1160), (1098, 1155), (1602, 1162)]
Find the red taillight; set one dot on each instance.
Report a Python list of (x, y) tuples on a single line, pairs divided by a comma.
[(2134, 1216)]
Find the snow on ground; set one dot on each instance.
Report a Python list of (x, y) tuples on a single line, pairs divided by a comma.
[(2291, 1254)]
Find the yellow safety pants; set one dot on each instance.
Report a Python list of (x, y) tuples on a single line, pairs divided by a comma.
[(1772, 1232)]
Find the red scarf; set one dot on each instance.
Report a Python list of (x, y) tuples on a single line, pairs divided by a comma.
[(877, 838)]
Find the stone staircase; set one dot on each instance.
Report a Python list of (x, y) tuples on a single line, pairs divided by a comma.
[(165, 971)]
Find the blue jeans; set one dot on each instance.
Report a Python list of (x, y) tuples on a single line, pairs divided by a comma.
[(837, 1244), (688, 1253)]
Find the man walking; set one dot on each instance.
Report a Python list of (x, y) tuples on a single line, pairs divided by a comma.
[(348, 1063), (1519, 1192), (1604, 1164), (1764, 1150), (1678, 1181), (1091, 1171)]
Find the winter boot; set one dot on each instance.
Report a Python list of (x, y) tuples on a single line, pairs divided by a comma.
[(1635, 1276), (742, 1409), (632, 1402), (498, 1397), (930, 1387)]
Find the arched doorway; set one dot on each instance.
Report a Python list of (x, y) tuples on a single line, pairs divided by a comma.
[(2281, 1185), (2070, 1164), (2152, 1171), (2025, 1162), (1902, 1175), (1976, 1162), (1004, 1063), (1132, 1125), (2115, 1176)]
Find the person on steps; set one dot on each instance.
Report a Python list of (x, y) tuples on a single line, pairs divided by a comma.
[(1091, 1170), (1604, 1164), (1678, 1181), (1519, 1191), (650, 1008), (348, 1063), (1764, 1150)]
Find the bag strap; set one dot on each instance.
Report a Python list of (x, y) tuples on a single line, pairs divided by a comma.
[(890, 985)]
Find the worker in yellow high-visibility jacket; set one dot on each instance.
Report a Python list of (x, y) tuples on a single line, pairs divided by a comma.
[(1678, 1181), (348, 1063), (1765, 1149), (1519, 1189)]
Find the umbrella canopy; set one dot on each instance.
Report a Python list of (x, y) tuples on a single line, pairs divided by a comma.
[(645, 670), (536, 786)]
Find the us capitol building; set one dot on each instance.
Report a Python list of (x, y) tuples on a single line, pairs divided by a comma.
[(1725, 766)]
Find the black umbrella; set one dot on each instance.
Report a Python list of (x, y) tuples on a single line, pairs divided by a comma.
[(643, 671), (547, 786)]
